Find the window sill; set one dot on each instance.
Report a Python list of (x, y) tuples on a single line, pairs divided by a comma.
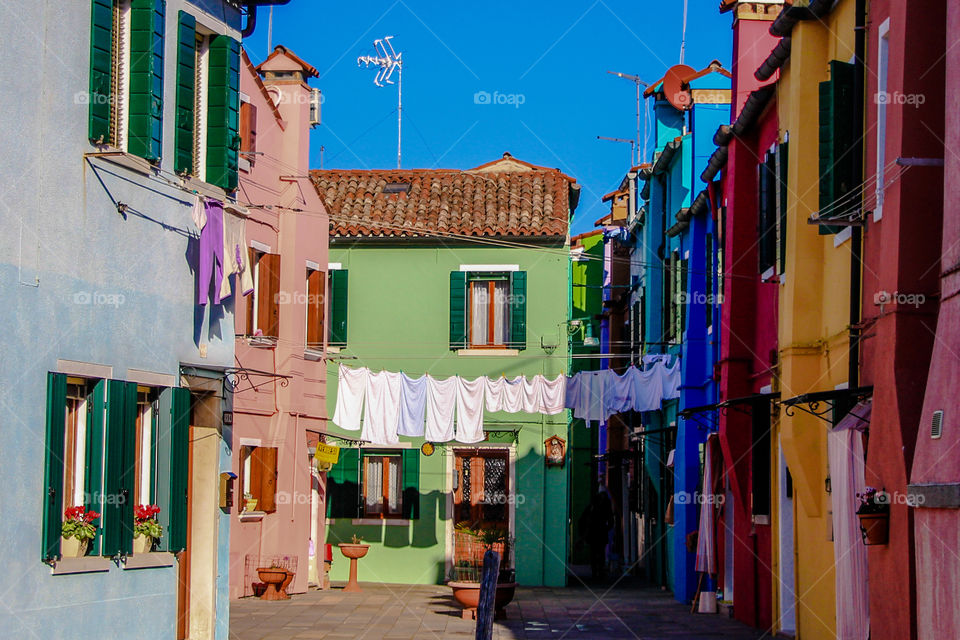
[(376, 522), (149, 560), (313, 355), (87, 564), (332, 349), (262, 342), (488, 352), (252, 516)]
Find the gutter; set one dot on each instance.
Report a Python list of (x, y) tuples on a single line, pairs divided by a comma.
[(251, 6)]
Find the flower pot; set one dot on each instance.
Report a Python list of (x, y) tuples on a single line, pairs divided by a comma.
[(273, 578), (875, 527), (354, 552), (74, 547), (142, 544), (467, 594)]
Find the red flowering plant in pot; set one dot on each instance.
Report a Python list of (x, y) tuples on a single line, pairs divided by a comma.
[(77, 530), (874, 514), (147, 529)]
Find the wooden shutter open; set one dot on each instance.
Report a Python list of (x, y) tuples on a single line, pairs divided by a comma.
[(338, 307), (316, 284), (783, 155), (268, 295), (53, 466), (223, 105), (458, 310), (93, 473), (263, 471), (838, 134), (186, 93), (101, 71), (145, 107), (518, 309), (343, 486), (248, 131), (411, 483)]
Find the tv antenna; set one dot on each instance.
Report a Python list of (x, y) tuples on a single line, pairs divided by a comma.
[(637, 81), (388, 61), (625, 140)]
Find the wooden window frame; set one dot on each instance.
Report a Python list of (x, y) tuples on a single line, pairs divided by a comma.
[(251, 455), (491, 312), (385, 485), (315, 334), (77, 418), (248, 131), (258, 308), (151, 395)]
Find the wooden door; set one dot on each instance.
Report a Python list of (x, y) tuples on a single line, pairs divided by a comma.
[(482, 497)]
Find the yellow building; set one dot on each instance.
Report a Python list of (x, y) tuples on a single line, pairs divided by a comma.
[(814, 318)]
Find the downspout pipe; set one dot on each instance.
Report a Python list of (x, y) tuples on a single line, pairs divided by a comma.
[(251, 6), (856, 232)]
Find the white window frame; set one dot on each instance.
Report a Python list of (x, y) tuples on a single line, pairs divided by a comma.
[(883, 72), (200, 105)]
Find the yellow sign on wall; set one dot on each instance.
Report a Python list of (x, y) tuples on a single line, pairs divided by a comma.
[(326, 454)]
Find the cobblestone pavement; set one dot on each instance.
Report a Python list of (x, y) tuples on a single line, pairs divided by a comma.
[(429, 612)]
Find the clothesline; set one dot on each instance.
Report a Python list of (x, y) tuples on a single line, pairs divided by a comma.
[(385, 405)]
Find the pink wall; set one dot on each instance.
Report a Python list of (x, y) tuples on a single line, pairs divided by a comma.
[(283, 417), (937, 531), (901, 254)]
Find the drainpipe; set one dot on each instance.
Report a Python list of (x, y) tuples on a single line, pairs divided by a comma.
[(856, 232), (251, 6)]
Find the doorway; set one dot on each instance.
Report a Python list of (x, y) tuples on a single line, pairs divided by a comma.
[(786, 582), (482, 497)]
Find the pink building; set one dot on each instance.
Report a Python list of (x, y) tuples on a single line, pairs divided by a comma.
[(280, 376)]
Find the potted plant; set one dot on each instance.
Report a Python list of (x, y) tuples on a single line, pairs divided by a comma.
[(249, 502), (77, 531), (147, 529), (874, 514), (470, 546), (353, 550), (273, 576)]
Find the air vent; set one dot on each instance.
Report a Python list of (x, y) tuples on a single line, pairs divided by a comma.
[(936, 425)]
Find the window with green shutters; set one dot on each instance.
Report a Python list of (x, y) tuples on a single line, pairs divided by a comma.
[(375, 483), (223, 117), (488, 310), (783, 153), (183, 135), (338, 307), (458, 310), (179, 470), (838, 134), (518, 310), (101, 71), (767, 212), (119, 472), (53, 466), (145, 106)]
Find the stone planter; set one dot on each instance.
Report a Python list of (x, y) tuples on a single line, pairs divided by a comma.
[(273, 578), (142, 544), (73, 547), (875, 527), (467, 595), (354, 552)]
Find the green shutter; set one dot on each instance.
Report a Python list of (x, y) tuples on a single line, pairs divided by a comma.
[(518, 309), (343, 486), (101, 71), (93, 473), (186, 98), (53, 466), (145, 125), (838, 134), (223, 107), (411, 483), (119, 468), (458, 310), (338, 307), (179, 468)]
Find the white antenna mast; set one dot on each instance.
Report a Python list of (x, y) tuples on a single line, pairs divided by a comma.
[(388, 61), (637, 81), (683, 37)]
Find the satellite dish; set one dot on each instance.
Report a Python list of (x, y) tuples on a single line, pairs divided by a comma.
[(675, 89)]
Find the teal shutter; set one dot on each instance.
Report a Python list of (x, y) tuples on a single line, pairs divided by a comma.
[(518, 310), (838, 135), (145, 128), (458, 310), (119, 469), (223, 117), (343, 486), (93, 473), (101, 71), (338, 307), (53, 466), (179, 468), (411, 483), (183, 134)]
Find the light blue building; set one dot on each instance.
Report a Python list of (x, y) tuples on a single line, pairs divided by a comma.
[(677, 307), (115, 380)]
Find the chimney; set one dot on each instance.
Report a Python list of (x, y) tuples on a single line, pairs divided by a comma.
[(286, 75)]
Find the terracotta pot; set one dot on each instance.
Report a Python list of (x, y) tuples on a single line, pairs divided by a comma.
[(73, 547), (142, 544), (354, 552), (286, 582), (875, 527), (273, 578), (467, 594)]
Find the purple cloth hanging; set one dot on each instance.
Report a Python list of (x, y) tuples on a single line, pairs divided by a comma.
[(211, 253)]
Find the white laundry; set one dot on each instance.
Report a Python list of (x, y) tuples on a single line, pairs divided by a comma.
[(530, 394), (235, 256), (382, 413), (513, 394), (553, 395), (413, 405), (493, 393), (646, 388), (671, 379), (590, 397), (441, 407), (351, 388), (573, 391), (470, 409), (617, 392), (199, 213)]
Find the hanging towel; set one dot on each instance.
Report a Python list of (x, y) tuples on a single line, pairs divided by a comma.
[(671, 379), (552, 395), (199, 213), (617, 392), (441, 405), (211, 253), (573, 391), (470, 409), (530, 394), (351, 387), (381, 415), (590, 397), (513, 394), (646, 389), (235, 257), (413, 405), (493, 393)]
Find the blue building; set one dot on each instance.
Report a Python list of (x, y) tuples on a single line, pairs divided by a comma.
[(116, 380), (676, 307)]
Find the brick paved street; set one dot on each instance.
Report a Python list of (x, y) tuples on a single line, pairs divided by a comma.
[(400, 611)]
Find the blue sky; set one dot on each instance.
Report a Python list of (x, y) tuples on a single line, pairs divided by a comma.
[(543, 65)]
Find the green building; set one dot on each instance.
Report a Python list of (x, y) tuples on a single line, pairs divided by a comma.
[(449, 272)]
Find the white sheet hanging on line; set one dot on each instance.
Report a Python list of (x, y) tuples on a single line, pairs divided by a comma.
[(413, 405), (647, 388), (351, 388), (552, 395), (470, 409), (441, 408), (493, 394), (381, 417), (670, 379), (530, 399), (513, 394)]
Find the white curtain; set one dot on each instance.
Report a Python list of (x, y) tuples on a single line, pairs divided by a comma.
[(374, 493), (479, 313), (393, 502), (845, 449), (501, 312), (706, 537)]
